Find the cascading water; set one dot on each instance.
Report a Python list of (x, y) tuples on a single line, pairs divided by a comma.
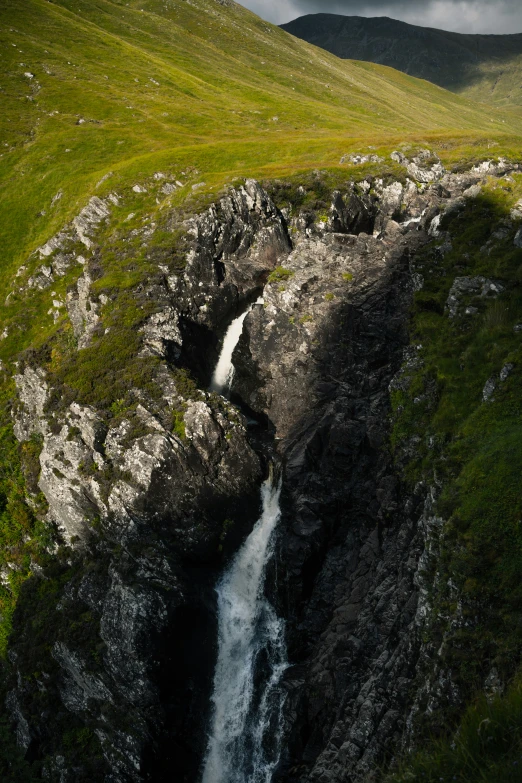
[(245, 740), (224, 372)]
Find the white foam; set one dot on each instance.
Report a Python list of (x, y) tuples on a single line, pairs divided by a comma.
[(244, 744), (224, 372)]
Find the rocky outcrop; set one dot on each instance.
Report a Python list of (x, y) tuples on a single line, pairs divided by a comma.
[(154, 497), (82, 310), (158, 495), (236, 244), (471, 287), (424, 167), (357, 551)]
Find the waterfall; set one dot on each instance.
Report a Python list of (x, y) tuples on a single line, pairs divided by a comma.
[(245, 738), (224, 372)]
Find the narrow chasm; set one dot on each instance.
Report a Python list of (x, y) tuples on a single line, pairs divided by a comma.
[(324, 358), (246, 554), (327, 348)]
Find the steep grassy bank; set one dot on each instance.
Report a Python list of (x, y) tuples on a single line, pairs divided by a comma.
[(457, 426)]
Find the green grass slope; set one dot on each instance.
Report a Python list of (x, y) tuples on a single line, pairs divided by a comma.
[(204, 85), (485, 68), (471, 446)]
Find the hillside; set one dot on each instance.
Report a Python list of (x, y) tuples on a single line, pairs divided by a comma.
[(196, 84), (484, 68)]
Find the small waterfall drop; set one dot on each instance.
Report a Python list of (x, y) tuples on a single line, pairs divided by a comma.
[(245, 740), (224, 372)]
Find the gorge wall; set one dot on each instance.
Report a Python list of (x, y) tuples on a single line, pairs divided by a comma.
[(113, 646)]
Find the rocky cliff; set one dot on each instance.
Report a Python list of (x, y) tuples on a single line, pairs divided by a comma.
[(113, 644)]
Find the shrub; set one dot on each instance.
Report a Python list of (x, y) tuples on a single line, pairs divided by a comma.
[(279, 274)]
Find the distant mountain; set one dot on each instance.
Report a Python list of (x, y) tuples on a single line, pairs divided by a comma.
[(483, 67)]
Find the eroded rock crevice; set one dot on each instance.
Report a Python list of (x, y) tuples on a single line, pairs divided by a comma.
[(153, 500)]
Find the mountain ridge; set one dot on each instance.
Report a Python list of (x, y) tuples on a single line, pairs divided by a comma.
[(482, 67)]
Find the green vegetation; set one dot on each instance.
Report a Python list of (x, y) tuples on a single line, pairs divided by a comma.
[(178, 424), (157, 90), (484, 68), (445, 432), (487, 748), (280, 273), (166, 104), (23, 538)]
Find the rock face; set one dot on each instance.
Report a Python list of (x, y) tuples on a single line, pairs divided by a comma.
[(318, 359), (350, 555), (158, 510), (152, 500), (470, 286)]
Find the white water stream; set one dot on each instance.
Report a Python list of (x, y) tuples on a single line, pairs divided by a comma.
[(224, 372), (245, 738)]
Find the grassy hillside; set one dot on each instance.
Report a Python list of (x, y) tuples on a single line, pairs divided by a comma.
[(484, 68), (202, 86)]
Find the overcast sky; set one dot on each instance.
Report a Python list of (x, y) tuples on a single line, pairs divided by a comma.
[(466, 16)]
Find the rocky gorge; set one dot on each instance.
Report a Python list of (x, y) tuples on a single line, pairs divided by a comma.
[(114, 644)]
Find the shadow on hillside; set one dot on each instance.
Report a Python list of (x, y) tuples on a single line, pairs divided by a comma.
[(350, 544), (454, 61)]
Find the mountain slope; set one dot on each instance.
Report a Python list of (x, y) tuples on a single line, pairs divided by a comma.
[(152, 82), (482, 67)]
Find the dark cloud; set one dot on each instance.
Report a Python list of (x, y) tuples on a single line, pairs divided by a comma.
[(471, 16)]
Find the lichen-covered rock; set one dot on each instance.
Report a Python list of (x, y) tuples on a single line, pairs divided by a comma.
[(82, 310), (471, 286), (162, 335), (236, 244), (358, 160), (91, 216), (425, 167), (33, 392), (78, 686)]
